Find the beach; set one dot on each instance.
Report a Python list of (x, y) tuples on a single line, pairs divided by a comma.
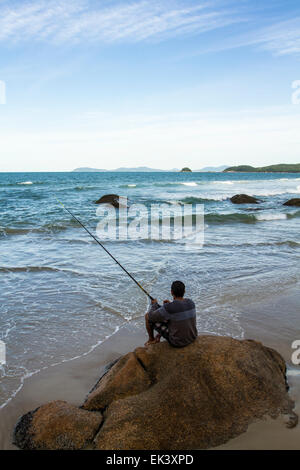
[(69, 310), (73, 380)]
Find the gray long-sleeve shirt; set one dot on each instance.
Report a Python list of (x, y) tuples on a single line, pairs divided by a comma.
[(181, 318)]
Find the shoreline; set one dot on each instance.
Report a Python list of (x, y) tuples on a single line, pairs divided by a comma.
[(72, 380)]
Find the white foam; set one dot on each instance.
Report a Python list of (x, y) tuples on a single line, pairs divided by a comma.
[(190, 184), (224, 182), (131, 185), (293, 373), (271, 216), (26, 182)]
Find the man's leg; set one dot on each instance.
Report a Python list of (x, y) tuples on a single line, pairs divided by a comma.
[(150, 331)]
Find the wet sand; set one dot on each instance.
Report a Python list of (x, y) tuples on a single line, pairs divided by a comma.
[(70, 381), (276, 323)]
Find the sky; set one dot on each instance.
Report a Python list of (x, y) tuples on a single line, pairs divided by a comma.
[(163, 84)]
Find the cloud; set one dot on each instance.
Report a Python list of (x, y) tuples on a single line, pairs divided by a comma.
[(133, 21), (282, 38)]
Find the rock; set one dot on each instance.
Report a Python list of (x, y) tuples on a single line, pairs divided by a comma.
[(244, 199), (164, 398), (198, 397), (291, 420), (57, 425), (112, 199), (293, 202), (127, 377)]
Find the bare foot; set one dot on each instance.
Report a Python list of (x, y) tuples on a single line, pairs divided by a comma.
[(153, 341)]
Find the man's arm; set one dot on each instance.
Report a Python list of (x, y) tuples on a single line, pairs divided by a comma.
[(156, 312)]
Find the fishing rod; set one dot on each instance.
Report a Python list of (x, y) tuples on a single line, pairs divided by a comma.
[(105, 249)]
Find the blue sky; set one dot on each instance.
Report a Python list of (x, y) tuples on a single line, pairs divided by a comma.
[(158, 83)]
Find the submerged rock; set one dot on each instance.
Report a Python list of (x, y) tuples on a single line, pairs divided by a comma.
[(293, 202), (112, 199), (165, 398), (244, 199)]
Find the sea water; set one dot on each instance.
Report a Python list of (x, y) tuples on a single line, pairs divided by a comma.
[(61, 295)]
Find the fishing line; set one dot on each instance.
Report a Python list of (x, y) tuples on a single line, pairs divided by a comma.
[(105, 249)]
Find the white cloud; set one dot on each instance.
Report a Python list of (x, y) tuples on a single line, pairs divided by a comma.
[(282, 38), (134, 21)]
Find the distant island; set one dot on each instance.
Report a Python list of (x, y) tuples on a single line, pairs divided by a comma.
[(146, 169), (186, 170), (281, 168), (137, 169), (212, 169)]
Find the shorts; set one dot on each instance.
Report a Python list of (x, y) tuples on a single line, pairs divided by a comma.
[(161, 328)]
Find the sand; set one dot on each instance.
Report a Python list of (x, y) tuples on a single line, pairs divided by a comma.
[(276, 323)]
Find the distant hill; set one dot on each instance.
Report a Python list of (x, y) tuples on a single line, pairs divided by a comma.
[(124, 169), (86, 169), (281, 168), (213, 168)]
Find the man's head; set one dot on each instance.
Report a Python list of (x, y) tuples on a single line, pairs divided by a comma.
[(177, 289)]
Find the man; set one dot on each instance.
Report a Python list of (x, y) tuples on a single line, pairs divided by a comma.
[(175, 321)]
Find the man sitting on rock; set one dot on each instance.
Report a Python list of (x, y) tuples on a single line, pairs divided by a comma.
[(175, 321)]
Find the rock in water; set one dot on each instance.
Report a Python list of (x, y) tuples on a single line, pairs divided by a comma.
[(112, 199), (165, 398), (244, 199), (293, 202), (56, 426)]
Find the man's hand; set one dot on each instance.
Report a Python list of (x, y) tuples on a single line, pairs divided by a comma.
[(154, 301), (166, 301)]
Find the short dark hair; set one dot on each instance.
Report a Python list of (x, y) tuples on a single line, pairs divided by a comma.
[(178, 288)]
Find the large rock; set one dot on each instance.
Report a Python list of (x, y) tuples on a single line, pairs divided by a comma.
[(195, 397), (55, 426), (112, 199), (200, 397), (293, 202), (126, 378), (244, 199)]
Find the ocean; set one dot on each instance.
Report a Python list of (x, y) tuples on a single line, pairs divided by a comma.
[(61, 294)]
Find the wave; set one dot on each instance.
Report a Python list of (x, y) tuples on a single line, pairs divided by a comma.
[(26, 182), (224, 182), (234, 217), (289, 243), (178, 183), (51, 227), (201, 200), (35, 269), (128, 186), (238, 217), (271, 216), (190, 184), (212, 218), (293, 215)]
